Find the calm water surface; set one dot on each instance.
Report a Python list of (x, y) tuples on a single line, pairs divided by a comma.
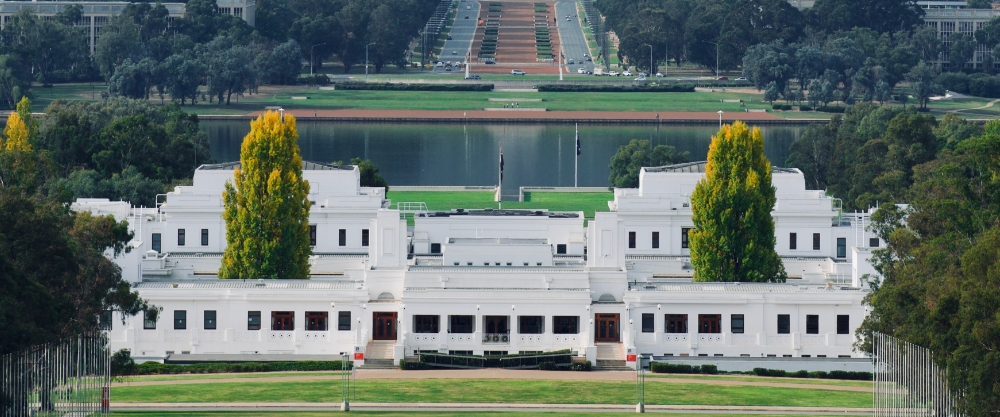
[(453, 154)]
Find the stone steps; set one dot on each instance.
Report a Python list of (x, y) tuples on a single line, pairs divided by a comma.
[(378, 364)]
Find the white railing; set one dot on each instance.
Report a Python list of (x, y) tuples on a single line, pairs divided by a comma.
[(212, 335), (531, 338), (566, 338), (496, 338), (813, 340)]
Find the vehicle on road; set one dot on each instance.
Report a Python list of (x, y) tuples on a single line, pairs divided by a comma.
[(439, 64), (468, 7), (517, 72), (454, 52), (491, 62), (472, 77), (567, 19), (447, 69), (643, 74), (466, 17), (449, 37), (581, 71), (570, 61), (598, 72), (640, 78), (742, 79), (659, 75), (627, 73), (722, 78), (613, 73)]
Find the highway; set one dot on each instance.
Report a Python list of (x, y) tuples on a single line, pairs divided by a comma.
[(571, 36), (462, 34)]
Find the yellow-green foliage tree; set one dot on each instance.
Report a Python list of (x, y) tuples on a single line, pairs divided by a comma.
[(267, 206), (24, 111), (733, 235), (16, 134)]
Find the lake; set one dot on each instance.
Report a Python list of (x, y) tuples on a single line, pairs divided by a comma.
[(458, 155)]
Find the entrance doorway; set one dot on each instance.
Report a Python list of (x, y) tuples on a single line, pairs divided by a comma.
[(607, 327), (385, 325)]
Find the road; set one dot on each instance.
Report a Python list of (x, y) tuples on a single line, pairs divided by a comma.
[(574, 44), (462, 34)]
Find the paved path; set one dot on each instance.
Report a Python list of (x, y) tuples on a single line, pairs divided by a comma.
[(573, 41), (514, 116), (471, 407), (462, 34), (396, 374), (988, 105)]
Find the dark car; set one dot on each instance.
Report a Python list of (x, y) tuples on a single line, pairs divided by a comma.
[(449, 37), (472, 77)]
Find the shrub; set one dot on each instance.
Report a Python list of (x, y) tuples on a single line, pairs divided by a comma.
[(805, 108), (676, 88), (412, 366), (318, 79), (669, 368), (768, 372), (156, 368), (818, 374), (854, 375), (831, 109), (709, 369), (414, 87), (585, 366), (547, 366), (799, 374), (781, 107)]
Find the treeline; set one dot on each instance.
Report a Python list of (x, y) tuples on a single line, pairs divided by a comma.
[(204, 56), (937, 280)]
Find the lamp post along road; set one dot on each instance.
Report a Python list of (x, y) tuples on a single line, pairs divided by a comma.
[(312, 61), (720, 119), (366, 60)]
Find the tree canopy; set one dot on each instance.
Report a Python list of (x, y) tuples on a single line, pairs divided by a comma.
[(639, 153), (733, 236)]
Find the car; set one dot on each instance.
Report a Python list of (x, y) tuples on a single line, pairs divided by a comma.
[(570, 62), (722, 78), (581, 71), (589, 60), (439, 64), (613, 73), (472, 77), (586, 55), (589, 72), (449, 37), (447, 69), (468, 7), (517, 72), (466, 17), (490, 62), (643, 74), (742, 79), (567, 19), (640, 78), (454, 52), (659, 75), (627, 73)]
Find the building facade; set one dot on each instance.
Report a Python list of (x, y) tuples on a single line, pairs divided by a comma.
[(489, 281), (96, 14)]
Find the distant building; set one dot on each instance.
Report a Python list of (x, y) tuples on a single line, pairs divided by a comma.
[(96, 14), (967, 21), (924, 4)]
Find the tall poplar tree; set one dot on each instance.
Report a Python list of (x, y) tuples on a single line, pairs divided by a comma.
[(16, 134), (267, 206), (733, 235)]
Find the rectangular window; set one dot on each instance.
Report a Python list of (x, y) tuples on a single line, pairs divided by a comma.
[(676, 323), (426, 324), (873, 242), (462, 324), (530, 324), (709, 323), (684, 238), (566, 324), (204, 237), (793, 241), (561, 249), (656, 240), (647, 323), (156, 242), (312, 235), (344, 320), (364, 237), (210, 323), (180, 319), (317, 321), (843, 324), (342, 237), (784, 324), (815, 241), (435, 248), (631, 240), (149, 319), (812, 324), (104, 320), (282, 320), (736, 323), (253, 320), (841, 247), (180, 237)]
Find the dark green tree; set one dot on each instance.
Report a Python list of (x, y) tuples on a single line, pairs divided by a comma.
[(369, 173), (631, 158)]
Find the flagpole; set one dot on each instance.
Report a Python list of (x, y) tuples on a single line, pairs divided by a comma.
[(576, 159), (500, 187)]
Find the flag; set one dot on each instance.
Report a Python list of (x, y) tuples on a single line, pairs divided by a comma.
[(577, 140), (501, 165)]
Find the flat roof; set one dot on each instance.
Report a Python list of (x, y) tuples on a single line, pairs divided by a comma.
[(699, 167), (752, 287), (486, 241), (248, 284), (506, 213), (306, 166)]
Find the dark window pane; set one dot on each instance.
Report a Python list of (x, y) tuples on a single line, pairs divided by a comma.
[(530, 324), (631, 240), (210, 322), (709, 323), (676, 323), (156, 242), (180, 319), (435, 248), (566, 324), (793, 241), (656, 240), (784, 326), (253, 320), (317, 321), (149, 319), (426, 324), (344, 320), (812, 324), (815, 241), (873, 242), (736, 323), (841, 247), (282, 320), (647, 323), (684, 238), (462, 324), (561, 249), (204, 237), (105, 320), (364, 237), (312, 235), (843, 324), (342, 237), (180, 237)]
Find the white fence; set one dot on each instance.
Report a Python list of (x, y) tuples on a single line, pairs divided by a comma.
[(907, 381), (66, 378)]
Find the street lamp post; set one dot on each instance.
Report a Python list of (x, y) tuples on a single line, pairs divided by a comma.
[(366, 60), (311, 60), (652, 68), (720, 119)]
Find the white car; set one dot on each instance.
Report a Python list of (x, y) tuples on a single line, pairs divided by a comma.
[(640, 78), (517, 72), (581, 71), (613, 73), (627, 73), (643, 74), (741, 79), (659, 74)]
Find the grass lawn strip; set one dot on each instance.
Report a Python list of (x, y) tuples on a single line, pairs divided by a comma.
[(447, 200), (493, 391), (241, 375), (409, 414)]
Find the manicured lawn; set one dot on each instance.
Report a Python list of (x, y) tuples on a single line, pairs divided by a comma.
[(186, 377), (409, 414), (493, 391), (748, 378), (447, 200)]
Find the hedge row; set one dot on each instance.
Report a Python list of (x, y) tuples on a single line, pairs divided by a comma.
[(414, 87), (670, 368), (826, 109), (674, 88), (852, 375), (156, 368), (979, 84)]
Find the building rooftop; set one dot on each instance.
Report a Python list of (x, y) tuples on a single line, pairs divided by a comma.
[(699, 167), (496, 212), (306, 166), (738, 287), (249, 284), (487, 241)]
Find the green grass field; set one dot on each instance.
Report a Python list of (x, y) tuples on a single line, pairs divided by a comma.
[(190, 377), (750, 378), (446, 200), (493, 391), (407, 414)]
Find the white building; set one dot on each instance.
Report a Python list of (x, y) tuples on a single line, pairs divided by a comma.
[(493, 281)]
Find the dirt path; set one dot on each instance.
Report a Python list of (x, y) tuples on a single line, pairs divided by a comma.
[(497, 374)]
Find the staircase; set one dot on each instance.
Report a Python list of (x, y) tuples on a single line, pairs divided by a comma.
[(610, 357), (378, 355)]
